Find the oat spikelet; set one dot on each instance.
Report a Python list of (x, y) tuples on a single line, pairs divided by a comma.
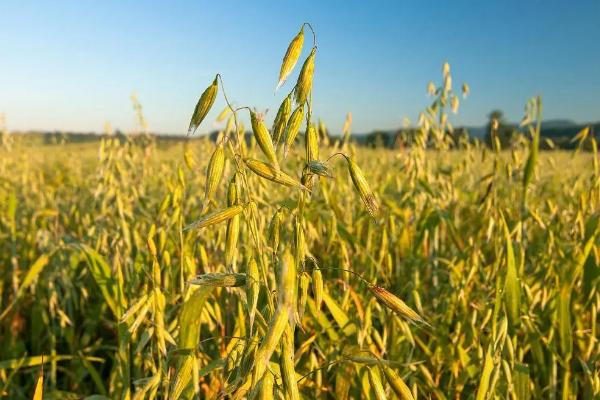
[(207, 99), (376, 384), (396, 304), (214, 173), (218, 279), (281, 119), (361, 185), (396, 382), (312, 143), (465, 90), (271, 173), (233, 225), (293, 126), (223, 114), (252, 290), (291, 57), (304, 83), (263, 138), (317, 281), (216, 217), (275, 230)]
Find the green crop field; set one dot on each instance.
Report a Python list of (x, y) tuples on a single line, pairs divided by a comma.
[(298, 265)]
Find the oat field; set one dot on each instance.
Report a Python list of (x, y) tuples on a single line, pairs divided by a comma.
[(299, 265)]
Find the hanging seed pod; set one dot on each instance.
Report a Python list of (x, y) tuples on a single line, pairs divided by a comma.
[(214, 173), (465, 90), (303, 289), (231, 240), (454, 103), (396, 382), (431, 88), (223, 114), (275, 230), (288, 372), (220, 280), (361, 185), (216, 217), (395, 304), (376, 384), (252, 290), (304, 84), (317, 281), (281, 119), (263, 138), (274, 175), (233, 225), (203, 106), (291, 57), (293, 126), (446, 69), (312, 143)]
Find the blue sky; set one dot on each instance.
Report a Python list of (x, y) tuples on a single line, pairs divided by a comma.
[(72, 64)]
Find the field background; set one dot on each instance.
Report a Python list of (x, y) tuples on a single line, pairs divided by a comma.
[(76, 221)]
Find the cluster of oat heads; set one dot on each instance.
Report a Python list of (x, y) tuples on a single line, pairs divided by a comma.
[(287, 300)]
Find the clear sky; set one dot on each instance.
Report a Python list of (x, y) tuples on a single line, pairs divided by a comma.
[(71, 65)]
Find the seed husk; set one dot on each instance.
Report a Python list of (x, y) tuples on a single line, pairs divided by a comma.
[(216, 217), (281, 119), (274, 230), (361, 185), (291, 57), (293, 126), (223, 114), (376, 384), (206, 101), (271, 173), (304, 83), (252, 290), (312, 144), (398, 386), (214, 174), (219, 279), (317, 281), (396, 304), (263, 138)]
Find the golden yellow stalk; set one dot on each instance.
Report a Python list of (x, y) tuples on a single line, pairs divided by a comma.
[(304, 83), (291, 57), (204, 105), (274, 230)]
